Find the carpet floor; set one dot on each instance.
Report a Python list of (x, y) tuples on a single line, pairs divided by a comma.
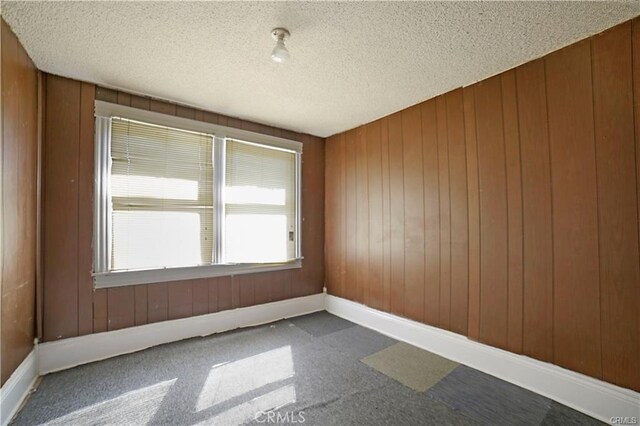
[(317, 370)]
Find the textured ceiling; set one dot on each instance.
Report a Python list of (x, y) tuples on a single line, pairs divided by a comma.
[(351, 62)]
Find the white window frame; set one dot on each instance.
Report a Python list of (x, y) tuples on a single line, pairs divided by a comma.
[(102, 276)]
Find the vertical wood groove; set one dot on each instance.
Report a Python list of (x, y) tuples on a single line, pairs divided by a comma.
[(612, 70), (597, 195), (553, 257), (575, 228)]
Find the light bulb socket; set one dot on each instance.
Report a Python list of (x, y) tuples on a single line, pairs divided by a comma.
[(280, 34)]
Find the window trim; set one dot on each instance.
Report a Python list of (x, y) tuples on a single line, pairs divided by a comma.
[(102, 277)]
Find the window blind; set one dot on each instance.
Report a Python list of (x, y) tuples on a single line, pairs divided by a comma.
[(260, 205), (162, 197)]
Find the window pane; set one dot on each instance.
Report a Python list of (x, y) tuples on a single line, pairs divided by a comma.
[(162, 196), (157, 239), (259, 204)]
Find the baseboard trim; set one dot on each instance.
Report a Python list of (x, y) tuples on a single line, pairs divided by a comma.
[(593, 397), (67, 353), (17, 387)]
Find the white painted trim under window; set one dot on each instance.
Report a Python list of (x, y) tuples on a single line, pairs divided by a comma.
[(67, 353), (124, 278), (583, 393), (18, 386)]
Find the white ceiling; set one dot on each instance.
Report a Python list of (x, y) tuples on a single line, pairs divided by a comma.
[(351, 62)]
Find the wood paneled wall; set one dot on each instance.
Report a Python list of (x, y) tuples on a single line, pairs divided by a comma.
[(18, 207), (71, 306), (506, 211)]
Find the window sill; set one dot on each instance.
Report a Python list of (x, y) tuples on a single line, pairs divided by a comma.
[(125, 278)]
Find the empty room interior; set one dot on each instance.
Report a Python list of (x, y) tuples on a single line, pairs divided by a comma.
[(322, 213)]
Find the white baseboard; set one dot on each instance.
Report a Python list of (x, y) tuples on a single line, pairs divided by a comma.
[(17, 387), (591, 396), (67, 353)]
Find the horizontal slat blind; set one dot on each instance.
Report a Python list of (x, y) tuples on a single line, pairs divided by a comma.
[(162, 196), (259, 203)]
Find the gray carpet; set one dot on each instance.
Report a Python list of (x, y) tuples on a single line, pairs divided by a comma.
[(489, 400), (307, 368)]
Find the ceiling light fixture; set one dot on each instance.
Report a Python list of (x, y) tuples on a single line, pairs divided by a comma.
[(280, 53)]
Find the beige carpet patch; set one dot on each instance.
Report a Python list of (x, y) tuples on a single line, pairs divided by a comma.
[(411, 366)]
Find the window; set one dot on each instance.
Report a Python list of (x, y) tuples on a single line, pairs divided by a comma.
[(180, 199), (259, 203)]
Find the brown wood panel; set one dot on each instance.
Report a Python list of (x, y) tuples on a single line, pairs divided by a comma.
[(281, 285), (123, 98), (636, 103), (339, 215), (246, 285), (351, 218), (157, 302), (140, 304), (106, 95), (222, 120), (396, 200), (252, 127), (235, 292), (576, 316), (213, 294), (11, 92), (473, 197), (62, 130), (294, 136), (18, 184), (342, 212), (262, 289), (225, 293), (332, 222), (431, 183), (537, 336), (362, 217), (85, 208), (312, 216), (140, 102), (42, 81), (493, 213), (210, 117), (374, 178), (162, 107), (234, 122), (444, 320), (180, 297), (612, 64), (514, 211), (459, 214), (100, 316), (120, 308), (200, 297), (413, 213), (185, 112), (386, 215)]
